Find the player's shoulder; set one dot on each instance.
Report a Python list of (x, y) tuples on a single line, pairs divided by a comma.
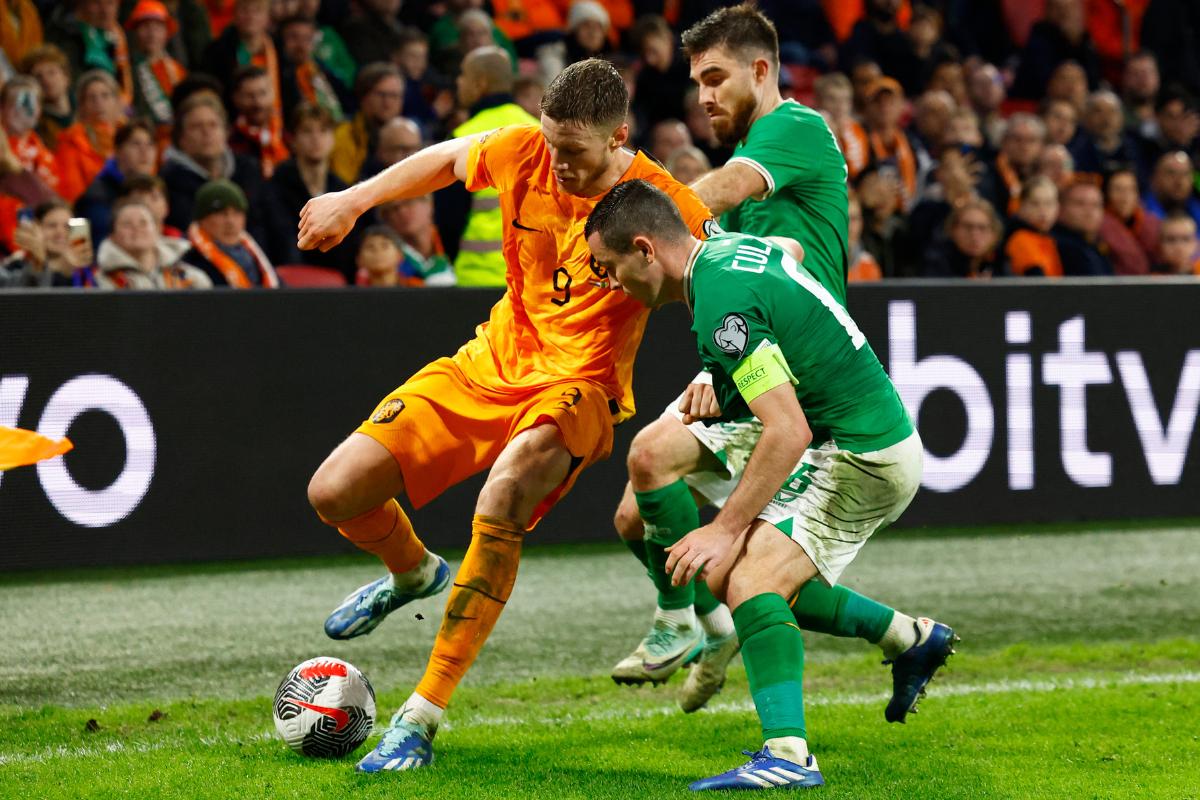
[(521, 138), (789, 119)]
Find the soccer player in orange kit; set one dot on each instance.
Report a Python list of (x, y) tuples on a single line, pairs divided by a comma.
[(533, 397)]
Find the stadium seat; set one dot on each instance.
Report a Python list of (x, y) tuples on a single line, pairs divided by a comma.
[(293, 275)]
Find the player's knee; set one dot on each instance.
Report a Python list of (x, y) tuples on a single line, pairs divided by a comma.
[(628, 521), (327, 494), (647, 466)]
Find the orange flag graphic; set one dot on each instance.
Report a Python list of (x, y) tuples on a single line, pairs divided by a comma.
[(19, 448)]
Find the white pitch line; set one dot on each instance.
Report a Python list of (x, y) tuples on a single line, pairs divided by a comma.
[(649, 712)]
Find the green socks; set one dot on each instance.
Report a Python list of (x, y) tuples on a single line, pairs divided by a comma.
[(839, 611), (773, 652), (669, 514)]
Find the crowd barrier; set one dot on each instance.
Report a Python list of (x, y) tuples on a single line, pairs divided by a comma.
[(199, 417)]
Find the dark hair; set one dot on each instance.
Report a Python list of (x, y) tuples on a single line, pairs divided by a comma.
[(294, 19), (409, 35), (201, 99), (194, 83), (142, 183), (1172, 93), (42, 54), (589, 92), (42, 209), (632, 208), (383, 231), (247, 72), (309, 112), (126, 131), (742, 29), (650, 25), (370, 76)]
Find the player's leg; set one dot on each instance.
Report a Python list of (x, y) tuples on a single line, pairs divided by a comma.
[(768, 569), (531, 467), (833, 503), (663, 508), (355, 490)]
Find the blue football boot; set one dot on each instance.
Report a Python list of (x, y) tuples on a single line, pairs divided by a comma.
[(366, 607), (405, 745), (913, 669), (764, 771)]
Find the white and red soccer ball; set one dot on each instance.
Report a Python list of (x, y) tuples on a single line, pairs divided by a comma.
[(324, 708)]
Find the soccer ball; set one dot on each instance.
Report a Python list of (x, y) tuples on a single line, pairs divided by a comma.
[(324, 708)]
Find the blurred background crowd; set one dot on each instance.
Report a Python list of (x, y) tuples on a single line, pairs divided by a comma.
[(983, 138)]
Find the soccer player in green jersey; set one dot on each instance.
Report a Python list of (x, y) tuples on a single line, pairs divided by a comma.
[(786, 178), (780, 347)]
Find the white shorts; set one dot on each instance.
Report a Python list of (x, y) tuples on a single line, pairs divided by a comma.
[(836, 499), (730, 442)]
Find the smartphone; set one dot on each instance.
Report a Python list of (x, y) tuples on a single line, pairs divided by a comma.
[(25, 214), (79, 229)]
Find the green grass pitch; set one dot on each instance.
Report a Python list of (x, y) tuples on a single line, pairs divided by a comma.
[(1078, 677)]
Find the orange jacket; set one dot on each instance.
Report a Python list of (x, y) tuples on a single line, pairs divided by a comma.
[(81, 154), (1029, 250)]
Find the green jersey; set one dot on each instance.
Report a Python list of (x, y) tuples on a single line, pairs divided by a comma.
[(798, 156), (762, 320)]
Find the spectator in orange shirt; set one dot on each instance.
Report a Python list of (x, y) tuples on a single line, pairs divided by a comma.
[(1030, 248), (85, 146), (49, 67), (835, 97), (862, 265), (20, 108), (1178, 246)]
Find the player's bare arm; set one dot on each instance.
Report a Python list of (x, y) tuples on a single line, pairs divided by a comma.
[(784, 439), (326, 220), (724, 188)]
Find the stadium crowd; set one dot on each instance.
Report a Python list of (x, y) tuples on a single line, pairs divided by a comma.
[(982, 138)]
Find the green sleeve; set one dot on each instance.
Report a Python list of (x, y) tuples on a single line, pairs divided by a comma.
[(784, 149), (729, 325)]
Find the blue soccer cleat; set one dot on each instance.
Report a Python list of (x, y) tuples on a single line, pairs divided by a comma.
[(405, 745), (764, 771), (363, 610), (913, 669)]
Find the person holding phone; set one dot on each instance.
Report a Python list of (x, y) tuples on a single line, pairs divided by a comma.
[(49, 255)]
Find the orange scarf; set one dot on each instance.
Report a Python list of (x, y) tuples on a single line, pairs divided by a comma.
[(853, 140), (235, 276), (269, 61), (20, 29), (314, 88), (906, 162), (35, 157), (121, 60), (1012, 182), (271, 149)]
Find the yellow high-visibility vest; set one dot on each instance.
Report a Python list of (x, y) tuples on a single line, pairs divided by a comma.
[(480, 260)]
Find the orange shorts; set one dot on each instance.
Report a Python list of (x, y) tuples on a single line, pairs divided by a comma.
[(442, 427)]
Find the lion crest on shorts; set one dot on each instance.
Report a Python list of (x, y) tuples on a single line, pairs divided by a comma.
[(388, 411)]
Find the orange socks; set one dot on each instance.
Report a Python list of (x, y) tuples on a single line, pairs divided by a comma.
[(481, 588), (386, 532)]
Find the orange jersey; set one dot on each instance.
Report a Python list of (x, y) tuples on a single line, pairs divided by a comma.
[(558, 320)]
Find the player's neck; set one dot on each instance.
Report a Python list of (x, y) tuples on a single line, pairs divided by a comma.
[(611, 176), (676, 261), (770, 101)]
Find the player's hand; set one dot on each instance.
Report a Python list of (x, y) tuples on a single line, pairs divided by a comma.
[(699, 401), (701, 552), (326, 220)]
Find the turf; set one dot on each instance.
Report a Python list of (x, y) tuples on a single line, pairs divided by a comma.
[(1078, 677)]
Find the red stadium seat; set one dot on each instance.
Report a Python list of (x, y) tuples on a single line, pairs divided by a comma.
[(304, 275)]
